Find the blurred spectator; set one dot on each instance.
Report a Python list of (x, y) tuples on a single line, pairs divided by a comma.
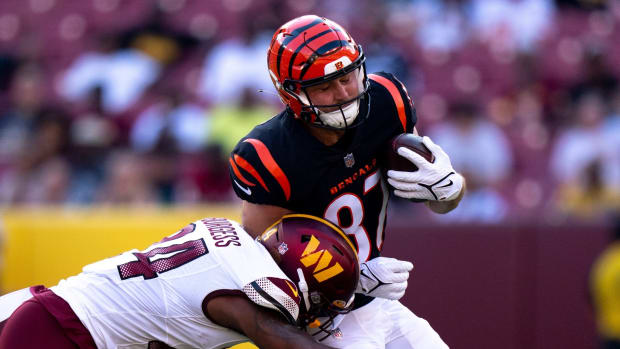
[(122, 73), (17, 122), (597, 75), (204, 177), (8, 66), (612, 122), (125, 64), (164, 134), (382, 54), (481, 152), (92, 136), (41, 173), (235, 64), (441, 25), (229, 123), (585, 162), (513, 24), (127, 180), (174, 116)]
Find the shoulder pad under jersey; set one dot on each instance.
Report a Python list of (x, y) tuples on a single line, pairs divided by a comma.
[(397, 93)]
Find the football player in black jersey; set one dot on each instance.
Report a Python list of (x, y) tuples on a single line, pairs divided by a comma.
[(320, 156)]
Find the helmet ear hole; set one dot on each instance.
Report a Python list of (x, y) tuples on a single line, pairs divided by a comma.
[(305, 238), (289, 86)]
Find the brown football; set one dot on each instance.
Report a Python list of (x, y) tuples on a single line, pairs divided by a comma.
[(394, 161), (391, 160)]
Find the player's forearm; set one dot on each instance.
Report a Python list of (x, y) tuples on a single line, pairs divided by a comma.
[(446, 206), (270, 332), (256, 218)]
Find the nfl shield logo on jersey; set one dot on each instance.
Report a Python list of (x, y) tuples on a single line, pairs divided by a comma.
[(349, 160), (337, 333)]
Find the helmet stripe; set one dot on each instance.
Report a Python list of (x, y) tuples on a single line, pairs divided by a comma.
[(396, 96), (244, 164), (321, 51), (305, 44), (238, 174), (271, 165), (289, 47), (292, 36)]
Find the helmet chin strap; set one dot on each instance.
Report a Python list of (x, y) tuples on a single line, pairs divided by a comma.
[(303, 287)]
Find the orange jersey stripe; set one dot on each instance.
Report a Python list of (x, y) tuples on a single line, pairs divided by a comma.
[(238, 173), (271, 165), (251, 170), (398, 99)]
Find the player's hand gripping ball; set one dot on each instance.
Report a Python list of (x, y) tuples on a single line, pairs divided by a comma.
[(433, 177), (394, 161)]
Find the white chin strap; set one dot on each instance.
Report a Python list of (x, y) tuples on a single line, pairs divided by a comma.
[(303, 287), (341, 119)]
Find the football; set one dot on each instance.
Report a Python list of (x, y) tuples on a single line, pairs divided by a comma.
[(393, 161)]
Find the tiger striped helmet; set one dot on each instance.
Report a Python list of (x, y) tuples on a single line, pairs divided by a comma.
[(312, 50)]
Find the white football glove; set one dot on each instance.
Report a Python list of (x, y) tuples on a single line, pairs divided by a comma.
[(435, 181), (384, 277)]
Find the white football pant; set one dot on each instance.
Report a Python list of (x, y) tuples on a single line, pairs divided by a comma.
[(384, 324)]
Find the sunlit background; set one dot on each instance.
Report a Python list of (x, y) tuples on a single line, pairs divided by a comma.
[(117, 118)]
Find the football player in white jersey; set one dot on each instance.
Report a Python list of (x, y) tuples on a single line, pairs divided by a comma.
[(209, 285)]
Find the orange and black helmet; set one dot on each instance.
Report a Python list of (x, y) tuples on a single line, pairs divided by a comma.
[(311, 50)]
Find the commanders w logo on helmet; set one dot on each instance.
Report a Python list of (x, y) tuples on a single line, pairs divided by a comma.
[(323, 260)]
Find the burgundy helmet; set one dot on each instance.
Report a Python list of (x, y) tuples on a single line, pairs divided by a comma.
[(311, 50), (319, 258)]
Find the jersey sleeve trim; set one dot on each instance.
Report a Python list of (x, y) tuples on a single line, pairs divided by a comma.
[(271, 165), (398, 99), (238, 174), (271, 293), (250, 169)]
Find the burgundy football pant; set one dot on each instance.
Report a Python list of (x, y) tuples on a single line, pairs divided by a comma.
[(32, 326), (44, 321)]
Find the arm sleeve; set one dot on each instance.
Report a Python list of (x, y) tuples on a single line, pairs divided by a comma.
[(278, 294)]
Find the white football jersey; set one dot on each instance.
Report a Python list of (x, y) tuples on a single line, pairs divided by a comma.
[(160, 293)]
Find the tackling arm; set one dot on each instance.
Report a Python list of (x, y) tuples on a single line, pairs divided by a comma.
[(264, 327), (256, 218)]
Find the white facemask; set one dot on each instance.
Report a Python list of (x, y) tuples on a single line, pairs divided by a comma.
[(335, 118), (338, 118)]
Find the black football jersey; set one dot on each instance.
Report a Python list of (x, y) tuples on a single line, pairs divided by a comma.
[(280, 163)]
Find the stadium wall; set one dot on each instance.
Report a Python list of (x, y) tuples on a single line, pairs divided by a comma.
[(510, 287)]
